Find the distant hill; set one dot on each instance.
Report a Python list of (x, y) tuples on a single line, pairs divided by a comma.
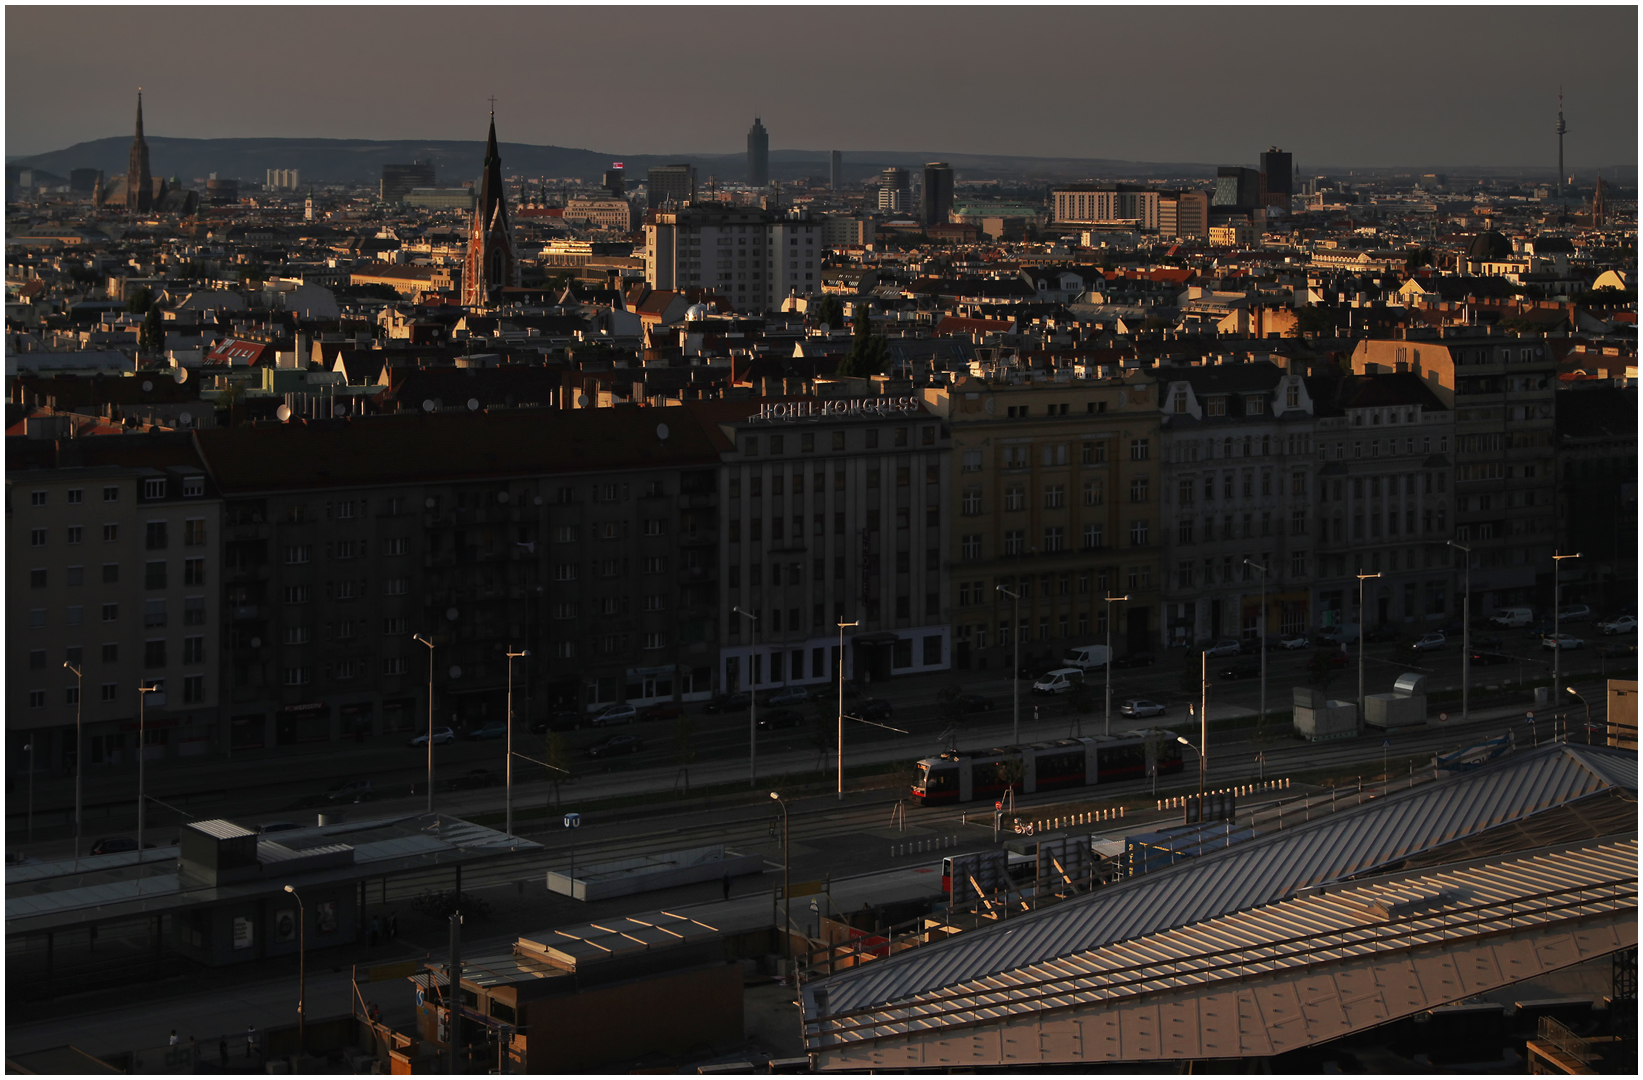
[(361, 161)]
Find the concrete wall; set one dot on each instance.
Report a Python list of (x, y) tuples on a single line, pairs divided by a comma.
[(672, 1014), (650, 872), (1336, 720), (1394, 710)]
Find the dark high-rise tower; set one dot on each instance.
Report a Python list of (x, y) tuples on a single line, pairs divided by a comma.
[(1561, 130), (938, 192), (139, 184), (491, 263), (835, 169), (1278, 177), (675, 184), (758, 154)]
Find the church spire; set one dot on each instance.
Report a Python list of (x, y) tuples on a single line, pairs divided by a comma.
[(139, 183), (491, 262)]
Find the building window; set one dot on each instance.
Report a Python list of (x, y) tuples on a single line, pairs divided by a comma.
[(154, 576), (1140, 449), (155, 536), (193, 571), (153, 489), (970, 546), (1139, 489), (1185, 491), (193, 689), (296, 676), (193, 487), (653, 641), (1092, 493), (1055, 538), (393, 665), (1215, 406), (1092, 537), (1015, 498), (1138, 534), (1297, 564), (154, 654), (1183, 531), (1055, 496), (1015, 541)]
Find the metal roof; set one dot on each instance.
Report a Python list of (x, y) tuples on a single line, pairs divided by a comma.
[(1250, 874), (220, 829)]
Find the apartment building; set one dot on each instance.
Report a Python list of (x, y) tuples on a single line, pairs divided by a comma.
[(586, 537), (115, 570), (1237, 488), (1501, 389), (832, 512), (1384, 504), (754, 258), (1086, 203), (1183, 213), (1055, 499)]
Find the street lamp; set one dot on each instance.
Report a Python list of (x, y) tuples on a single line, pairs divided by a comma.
[(79, 765), (1465, 637), (508, 798), (752, 703), (787, 879), (1362, 577), (302, 971), (28, 748), (1571, 691), (428, 641), (1182, 739), (1015, 673), (1110, 601), (142, 758), (840, 739), (1557, 601), (1261, 723)]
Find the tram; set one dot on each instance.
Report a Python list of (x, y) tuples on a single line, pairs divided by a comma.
[(1046, 766)]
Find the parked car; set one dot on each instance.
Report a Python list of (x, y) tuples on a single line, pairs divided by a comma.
[(1488, 641), (781, 718), (1240, 669), (1574, 613), (276, 826), (1382, 634), (662, 710), (1616, 651), (728, 703), (872, 709), (442, 735), (559, 721), (616, 745), (1625, 624), (495, 729), (615, 714), (1224, 647), (1135, 659), (1561, 641), (1489, 659), (113, 845), (1428, 642), (350, 791), (1540, 629), (1294, 641), (1141, 707), (787, 695), (475, 778), (1086, 657), (1058, 681), (974, 703), (1513, 617)]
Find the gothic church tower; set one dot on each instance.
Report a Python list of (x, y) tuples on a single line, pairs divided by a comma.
[(139, 184), (491, 262)]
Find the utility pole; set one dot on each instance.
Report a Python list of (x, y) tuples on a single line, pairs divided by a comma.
[(428, 641), (1110, 601), (1557, 602), (1015, 675), (840, 738), (508, 799), (79, 751), (454, 1002), (752, 702), (1465, 636), (142, 757), (1362, 577), (1261, 723)]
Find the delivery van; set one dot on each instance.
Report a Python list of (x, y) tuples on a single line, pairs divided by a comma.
[(1085, 657)]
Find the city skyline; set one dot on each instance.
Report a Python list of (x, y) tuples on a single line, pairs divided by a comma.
[(1458, 119)]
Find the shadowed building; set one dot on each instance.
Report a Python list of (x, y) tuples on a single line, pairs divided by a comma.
[(758, 154), (938, 192)]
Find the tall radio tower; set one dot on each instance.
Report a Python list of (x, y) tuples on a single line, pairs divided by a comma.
[(1561, 129)]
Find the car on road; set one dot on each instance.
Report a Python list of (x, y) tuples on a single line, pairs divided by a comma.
[(662, 710), (1294, 641), (1625, 624), (1428, 642), (350, 791), (615, 714), (442, 735), (276, 826), (974, 703), (1561, 641), (872, 709), (1224, 647), (113, 845), (781, 718), (617, 745), (1141, 707), (1059, 681), (1240, 669), (1489, 659), (787, 695), (559, 721), (495, 729), (727, 703), (1488, 641), (1512, 617), (476, 778), (1616, 651), (1135, 659), (1574, 613)]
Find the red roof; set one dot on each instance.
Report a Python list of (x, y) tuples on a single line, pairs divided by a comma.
[(236, 353)]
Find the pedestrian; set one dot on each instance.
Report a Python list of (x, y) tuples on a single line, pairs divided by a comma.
[(250, 1039), (173, 1040), (726, 884), (222, 1051)]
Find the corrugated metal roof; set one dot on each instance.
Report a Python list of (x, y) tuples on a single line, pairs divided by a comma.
[(222, 830), (1247, 875)]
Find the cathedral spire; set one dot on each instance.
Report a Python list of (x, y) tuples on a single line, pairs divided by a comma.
[(491, 262), (139, 183)]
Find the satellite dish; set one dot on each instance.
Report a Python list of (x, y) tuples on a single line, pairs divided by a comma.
[(341, 407), (456, 671), (537, 501), (184, 418), (283, 412), (428, 405), (180, 374), (473, 404), (428, 502), (581, 401), (661, 431), (502, 496), (450, 614), (824, 328), (147, 386), (256, 643)]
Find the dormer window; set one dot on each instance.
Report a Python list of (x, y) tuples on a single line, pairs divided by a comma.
[(193, 487), (1292, 398), (1255, 406), (153, 489), (1217, 406), (1179, 401)]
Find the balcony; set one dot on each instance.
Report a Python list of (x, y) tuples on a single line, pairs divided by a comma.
[(698, 502), (698, 539), (231, 533), (247, 611)]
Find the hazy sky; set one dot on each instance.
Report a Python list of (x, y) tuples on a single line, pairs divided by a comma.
[(1341, 86)]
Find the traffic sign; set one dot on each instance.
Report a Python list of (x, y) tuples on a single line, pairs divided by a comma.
[(1385, 743), (1442, 716), (419, 997), (1530, 717), (573, 821)]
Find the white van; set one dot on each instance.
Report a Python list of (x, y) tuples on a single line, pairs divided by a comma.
[(1059, 681), (1513, 617), (1085, 657)]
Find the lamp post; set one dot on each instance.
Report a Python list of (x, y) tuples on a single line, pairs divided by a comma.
[(1557, 602), (1362, 577), (1015, 672), (1571, 691), (1110, 601), (302, 971), (1182, 739), (142, 758), (28, 748), (840, 738), (1465, 636), (752, 703), (428, 641), (508, 797), (1261, 723), (79, 761), (787, 898)]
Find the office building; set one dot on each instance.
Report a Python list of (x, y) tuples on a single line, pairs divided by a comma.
[(670, 185), (1277, 178), (1082, 204), (758, 155), (1183, 213), (1237, 188), (282, 180), (614, 182), (938, 192), (753, 258), (398, 180), (835, 170), (894, 190)]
